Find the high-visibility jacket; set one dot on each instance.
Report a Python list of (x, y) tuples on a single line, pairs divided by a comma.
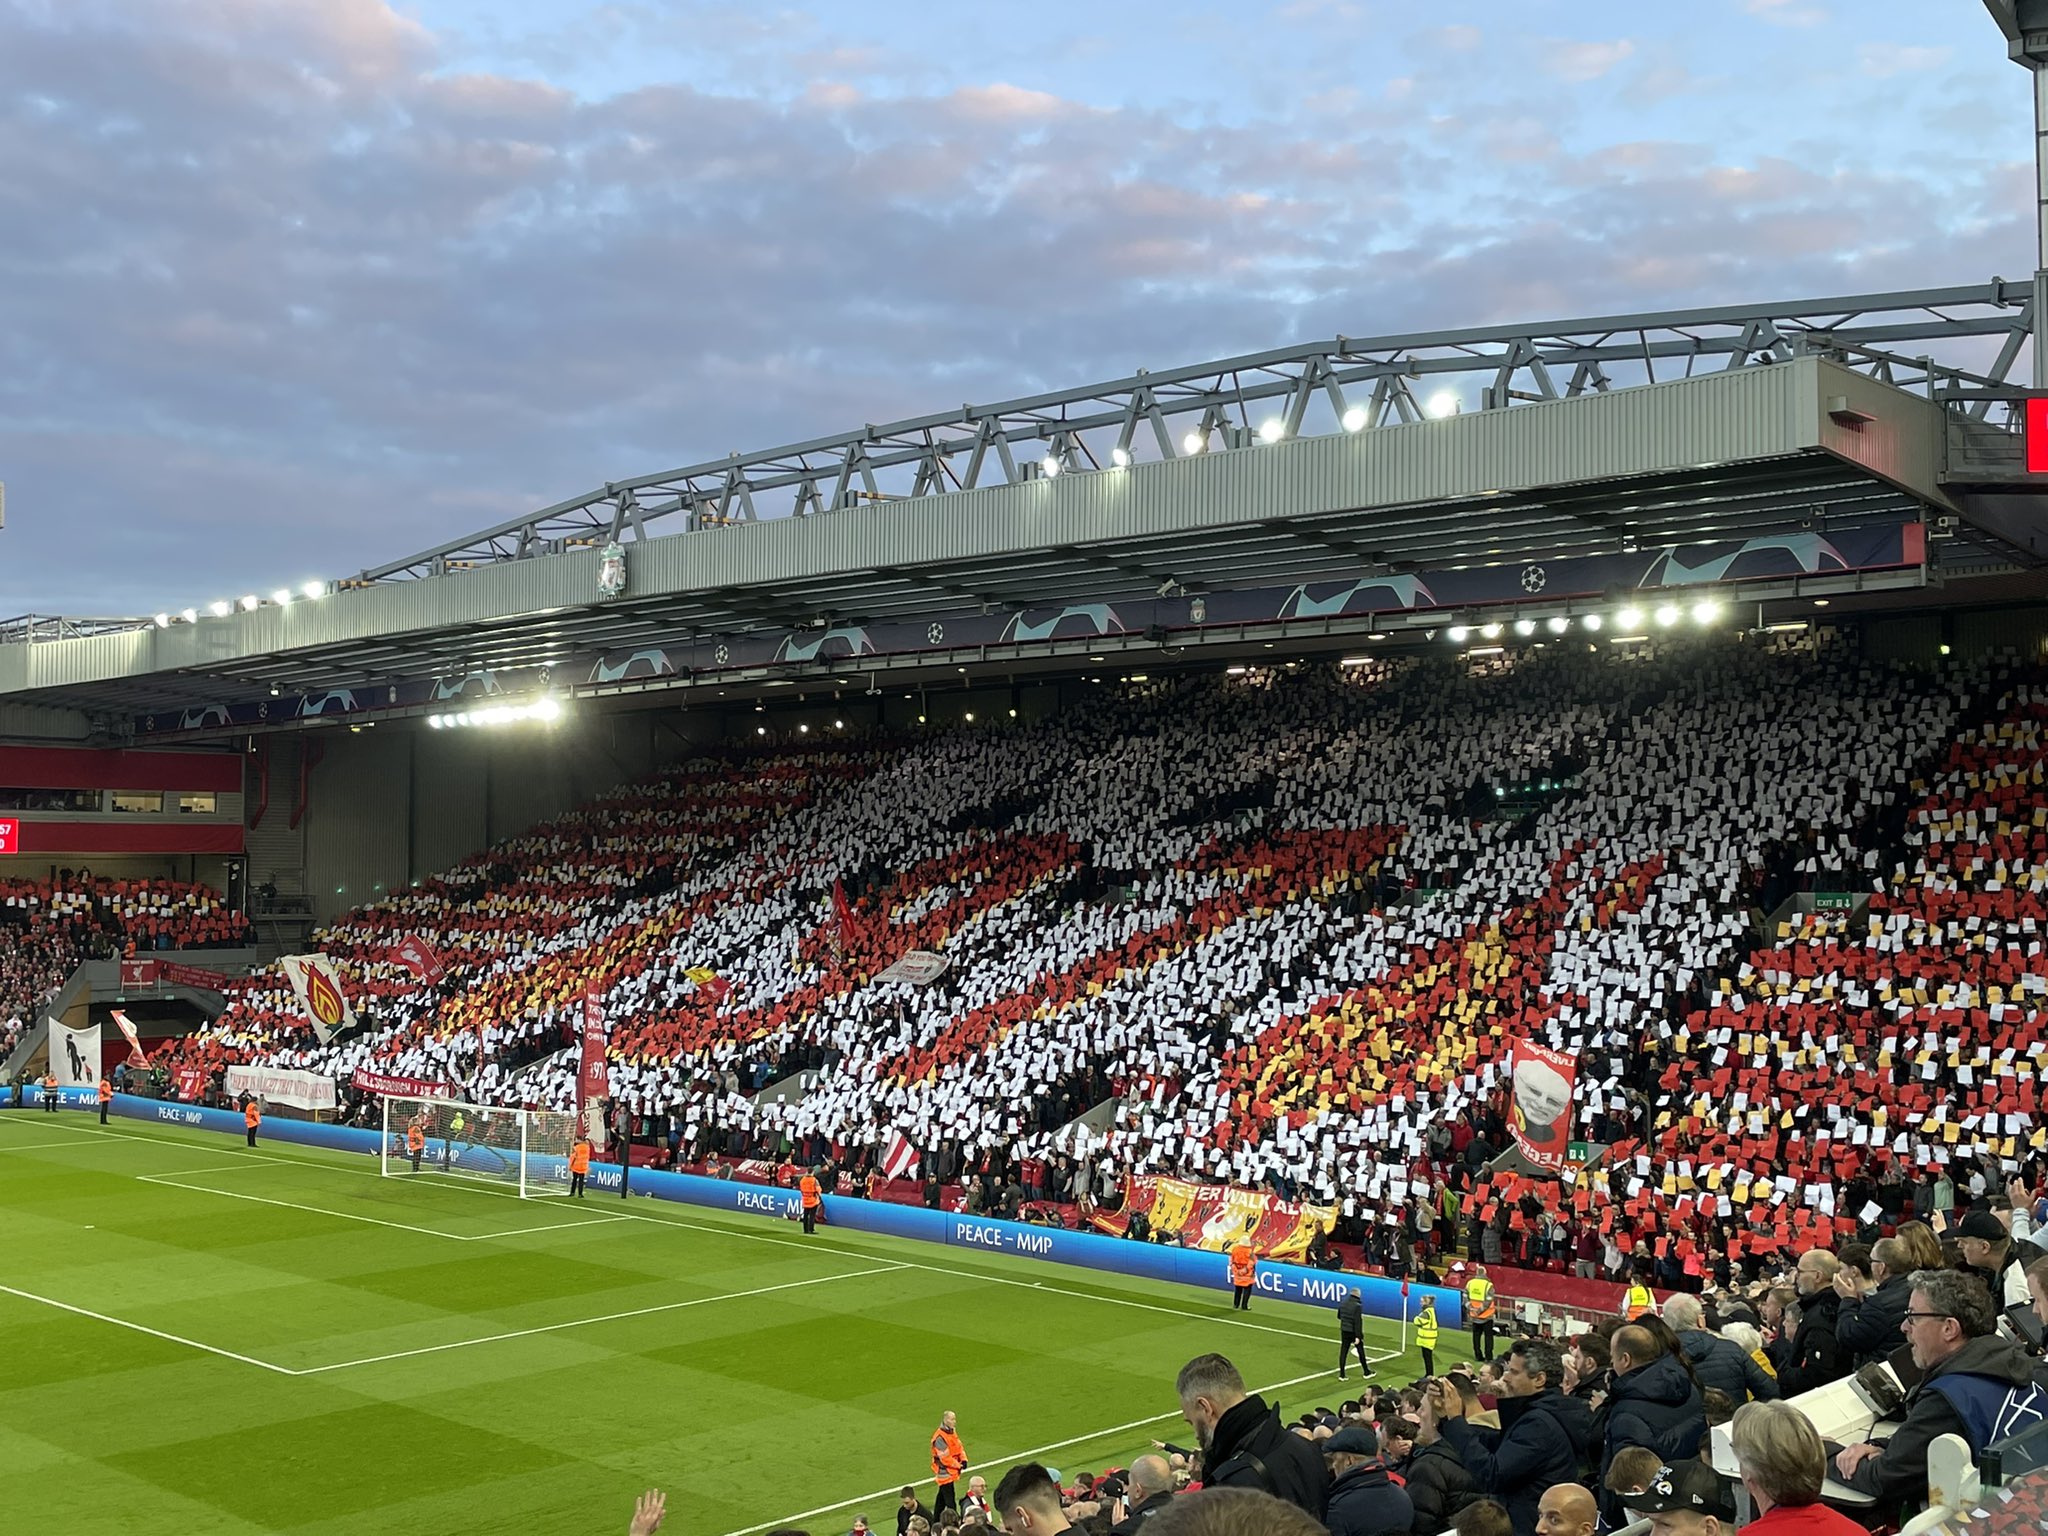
[(1426, 1329), (49, 1082), (949, 1458), (415, 1139), (807, 1190), (579, 1157), (1479, 1304), (106, 1091), (1244, 1264), (251, 1115), (1640, 1300)]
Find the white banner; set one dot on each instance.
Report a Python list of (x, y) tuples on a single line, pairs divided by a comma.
[(75, 1055), (318, 985), (920, 967), (277, 1085)]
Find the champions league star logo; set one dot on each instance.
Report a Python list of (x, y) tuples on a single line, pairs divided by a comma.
[(1541, 1097)]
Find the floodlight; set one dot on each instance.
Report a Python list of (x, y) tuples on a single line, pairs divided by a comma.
[(1525, 627), (1457, 634), (163, 621), (189, 615), (1354, 419), (1272, 429), (220, 608), (251, 602), (1441, 404), (1558, 624), (1667, 615), (1049, 466), (313, 589), (1120, 457), (1491, 631), (1592, 621), (282, 597), (549, 708), (1705, 611), (1195, 442), (1630, 617)]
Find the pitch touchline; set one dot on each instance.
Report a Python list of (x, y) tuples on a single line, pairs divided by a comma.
[(999, 1461), (155, 1333), (171, 1182)]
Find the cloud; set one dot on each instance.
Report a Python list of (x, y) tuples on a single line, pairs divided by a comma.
[(1882, 61), (1580, 62), (1787, 13)]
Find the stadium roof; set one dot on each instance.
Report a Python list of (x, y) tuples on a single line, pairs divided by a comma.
[(1420, 459)]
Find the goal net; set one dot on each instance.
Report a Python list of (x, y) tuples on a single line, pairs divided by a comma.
[(526, 1149)]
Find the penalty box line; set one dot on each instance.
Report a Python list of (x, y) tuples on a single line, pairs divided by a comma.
[(173, 1181)]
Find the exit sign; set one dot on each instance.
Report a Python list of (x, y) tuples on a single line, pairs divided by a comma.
[(10, 835)]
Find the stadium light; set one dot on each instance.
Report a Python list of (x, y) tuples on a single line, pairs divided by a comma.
[(1195, 442), (1120, 457), (1354, 419), (1525, 627), (1667, 615), (189, 615), (282, 597), (802, 729), (1272, 429), (547, 709), (1705, 611), (1558, 624), (1457, 634), (163, 621), (220, 607), (251, 602), (838, 725), (970, 717), (1441, 404), (1630, 617), (1593, 621), (1049, 466), (313, 589), (1491, 631)]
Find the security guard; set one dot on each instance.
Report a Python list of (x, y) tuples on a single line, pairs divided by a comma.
[(1244, 1274), (415, 1142), (252, 1118), (807, 1192), (1480, 1309), (1426, 1334), (106, 1098), (949, 1460), (579, 1165), (1640, 1299)]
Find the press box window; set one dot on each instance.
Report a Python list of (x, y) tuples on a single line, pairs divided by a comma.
[(49, 799), (136, 802), (197, 805)]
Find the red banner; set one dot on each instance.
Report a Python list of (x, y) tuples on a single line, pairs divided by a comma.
[(419, 957), (1218, 1216), (171, 974), (592, 1080), (1540, 1102), (137, 973), (135, 1055), (191, 1083), (366, 1081)]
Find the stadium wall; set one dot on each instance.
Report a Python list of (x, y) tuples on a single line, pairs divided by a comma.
[(1389, 1300)]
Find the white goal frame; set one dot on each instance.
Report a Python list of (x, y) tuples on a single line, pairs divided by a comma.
[(526, 1149)]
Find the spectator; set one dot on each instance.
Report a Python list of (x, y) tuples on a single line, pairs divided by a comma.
[(1989, 1253), (1972, 1384), (1148, 1489), (1655, 1402), (1567, 1509), (1028, 1500), (1687, 1498), (1363, 1500), (1631, 1471), (1232, 1512), (1815, 1357), (1867, 1316), (1243, 1444), (908, 1508), (1438, 1484), (1544, 1437), (1483, 1517), (1716, 1363), (1783, 1466)]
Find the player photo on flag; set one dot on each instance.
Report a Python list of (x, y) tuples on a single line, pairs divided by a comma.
[(1540, 1109)]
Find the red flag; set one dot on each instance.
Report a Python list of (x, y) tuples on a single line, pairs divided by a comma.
[(1540, 1102), (842, 912), (419, 957), (135, 1055), (592, 1079)]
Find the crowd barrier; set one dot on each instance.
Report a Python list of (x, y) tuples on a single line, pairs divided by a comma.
[(1381, 1298)]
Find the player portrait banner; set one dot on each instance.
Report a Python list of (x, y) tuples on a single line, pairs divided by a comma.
[(278, 1085), (365, 1081), (191, 1083), (1540, 1102), (136, 1056), (421, 958), (318, 985), (1216, 1216), (75, 1055), (593, 1082), (920, 967)]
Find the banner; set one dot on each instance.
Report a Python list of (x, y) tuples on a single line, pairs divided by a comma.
[(364, 1080), (277, 1085), (920, 967), (191, 1083), (1215, 1216), (716, 988), (75, 1055), (318, 984), (1540, 1102), (899, 1158), (593, 1082), (842, 917), (420, 957), (137, 973), (136, 1057)]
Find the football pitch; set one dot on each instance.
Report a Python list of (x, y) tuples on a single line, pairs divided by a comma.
[(202, 1338)]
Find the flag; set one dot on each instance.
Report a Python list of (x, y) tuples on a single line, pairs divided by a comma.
[(899, 1158), (419, 957), (593, 1080), (1540, 1102), (715, 987), (921, 967), (136, 1058), (842, 915), (318, 985), (75, 1055)]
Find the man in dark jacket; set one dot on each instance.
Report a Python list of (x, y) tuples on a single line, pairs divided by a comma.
[(1545, 1437), (1438, 1484), (1973, 1384), (1655, 1403), (1867, 1317), (1364, 1501), (1148, 1488), (1816, 1357), (1717, 1363), (1351, 1334), (1243, 1442)]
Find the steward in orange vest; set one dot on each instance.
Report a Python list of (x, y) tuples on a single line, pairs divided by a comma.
[(252, 1117), (106, 1098), (807, 1194), (949, 1460), (579, 1165), (50, 1092), (415, 1144), (1244, 1274)]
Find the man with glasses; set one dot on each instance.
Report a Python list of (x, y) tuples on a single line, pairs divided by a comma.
[(1972, 1384)]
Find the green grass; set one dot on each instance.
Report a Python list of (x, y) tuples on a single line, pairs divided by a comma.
[(281, 1341)]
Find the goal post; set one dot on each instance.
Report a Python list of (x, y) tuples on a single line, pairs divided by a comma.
[(522, 1149)]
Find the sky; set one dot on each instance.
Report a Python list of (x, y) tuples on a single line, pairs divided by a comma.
[(292, 289)]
